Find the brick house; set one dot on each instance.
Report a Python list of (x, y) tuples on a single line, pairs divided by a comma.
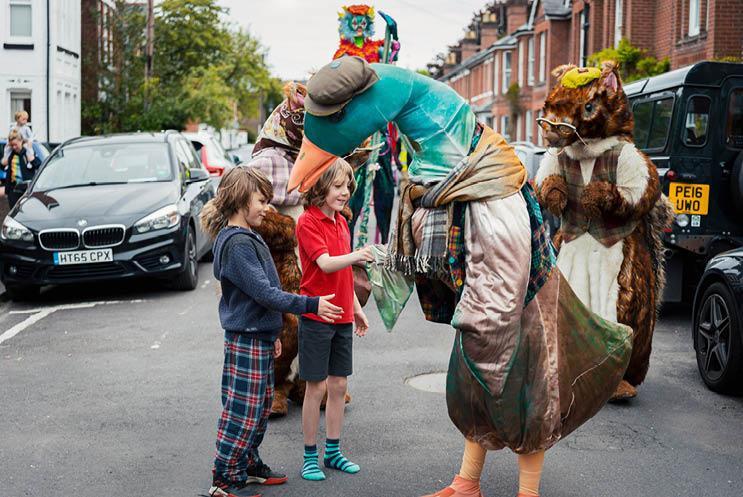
[(520, 41)]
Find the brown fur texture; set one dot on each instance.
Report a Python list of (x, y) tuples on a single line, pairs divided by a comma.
[(553, 194), (600, 110)]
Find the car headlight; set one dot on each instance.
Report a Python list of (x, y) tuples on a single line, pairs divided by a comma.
[(167, 217), (13, 230), (682, 220)]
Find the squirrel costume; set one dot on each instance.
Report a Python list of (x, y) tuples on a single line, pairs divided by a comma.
[(529, 363), (608, 197)]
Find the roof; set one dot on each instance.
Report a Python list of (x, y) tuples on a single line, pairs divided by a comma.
[(138, 137), (557, 8), (701, 74)]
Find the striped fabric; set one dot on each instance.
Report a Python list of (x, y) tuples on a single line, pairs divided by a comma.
[(247, 394), (336, 460), (310, 468)]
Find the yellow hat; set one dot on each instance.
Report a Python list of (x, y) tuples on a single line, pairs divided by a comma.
[(580, 76), (311, 162)]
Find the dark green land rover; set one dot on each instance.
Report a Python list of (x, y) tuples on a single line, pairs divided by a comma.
[(690, 122)]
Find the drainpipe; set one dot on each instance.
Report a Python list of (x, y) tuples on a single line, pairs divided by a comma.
[(48, 68)]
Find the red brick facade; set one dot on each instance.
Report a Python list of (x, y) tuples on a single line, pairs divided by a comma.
[(521, 41)]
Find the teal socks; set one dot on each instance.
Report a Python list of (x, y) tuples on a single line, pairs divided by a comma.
[(311, 469), (335, 460)]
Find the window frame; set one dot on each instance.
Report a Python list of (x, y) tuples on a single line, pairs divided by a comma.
[(695, 29), (530, 61), (19, 38), (543, 56), (726, 131), (618, 21), (654, 99), (23, 93), (506, 77), (709, 119), (528, 126)]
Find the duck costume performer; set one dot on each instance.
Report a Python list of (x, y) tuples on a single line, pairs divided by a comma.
[(530, 363)]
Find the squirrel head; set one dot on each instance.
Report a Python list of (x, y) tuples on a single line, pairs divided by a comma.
[(592, 100)]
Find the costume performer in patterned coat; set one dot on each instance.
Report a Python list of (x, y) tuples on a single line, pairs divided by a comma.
[(608, 196), (356, 28), (530, 363)]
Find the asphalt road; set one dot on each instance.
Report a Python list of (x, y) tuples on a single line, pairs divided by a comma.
[(113, 390)]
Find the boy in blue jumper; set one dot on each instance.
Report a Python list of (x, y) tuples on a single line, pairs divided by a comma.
[(250, 311)]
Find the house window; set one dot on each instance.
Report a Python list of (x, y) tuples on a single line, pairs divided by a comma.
[(529, 126), (20, 18), (504, 123), (584, 36), (530, 78), (521, 65), (694, 11), (20, 100), (506, 72), (543, 57), (618, 19), (496, 75), (519, 133)]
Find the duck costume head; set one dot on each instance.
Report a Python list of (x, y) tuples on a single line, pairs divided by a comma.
[(349, 99)]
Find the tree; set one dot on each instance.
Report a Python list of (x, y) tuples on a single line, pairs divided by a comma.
[(634, 63)]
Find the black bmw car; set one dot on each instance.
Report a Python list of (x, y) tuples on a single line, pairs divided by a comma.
[(718, 323), (109, 207)]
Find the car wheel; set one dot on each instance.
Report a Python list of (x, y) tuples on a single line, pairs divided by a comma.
[(717, 336), (209, 256), (22, 292), (189, 278)]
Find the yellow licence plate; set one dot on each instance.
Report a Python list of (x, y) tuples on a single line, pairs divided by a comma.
[(688, 198)]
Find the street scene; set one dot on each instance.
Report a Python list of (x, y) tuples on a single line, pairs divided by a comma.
[(426, 249)]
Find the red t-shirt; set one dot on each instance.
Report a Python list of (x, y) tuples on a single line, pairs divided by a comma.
[(318, 234)]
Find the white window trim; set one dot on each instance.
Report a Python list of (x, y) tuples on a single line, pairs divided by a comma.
[(519, 132), (19, 39), (542, 56), (695, 9), (521, 66), (506, 73), (618, 21), (581, 37), (530, 63), (528, 127)]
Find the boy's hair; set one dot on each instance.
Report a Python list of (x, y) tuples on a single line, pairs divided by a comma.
[(317, 193), (14, 135), (235, 192), (20, 114)]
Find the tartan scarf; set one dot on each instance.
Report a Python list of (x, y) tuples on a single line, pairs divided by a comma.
[(492, 171)]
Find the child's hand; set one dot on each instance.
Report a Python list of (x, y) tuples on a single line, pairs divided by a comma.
[(364, 254), (327, 311), (277, 348), (362, 324)]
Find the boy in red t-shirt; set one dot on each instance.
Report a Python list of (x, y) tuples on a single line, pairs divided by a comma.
[(325, 350)]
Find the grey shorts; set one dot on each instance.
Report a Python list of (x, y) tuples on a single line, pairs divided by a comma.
[(325, 349)]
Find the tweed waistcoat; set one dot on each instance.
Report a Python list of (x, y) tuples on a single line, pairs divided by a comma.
[(609, 229)]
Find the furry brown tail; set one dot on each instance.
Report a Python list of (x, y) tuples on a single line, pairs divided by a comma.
[(657, 220)]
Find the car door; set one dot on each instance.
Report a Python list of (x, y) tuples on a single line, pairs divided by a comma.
[(204, 191), (191, 192)]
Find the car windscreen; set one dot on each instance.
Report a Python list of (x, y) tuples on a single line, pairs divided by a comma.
[(216, 154), (106, 164)]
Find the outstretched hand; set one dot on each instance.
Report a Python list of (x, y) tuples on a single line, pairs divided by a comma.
[(327, 311)]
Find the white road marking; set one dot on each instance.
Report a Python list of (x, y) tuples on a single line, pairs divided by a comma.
[(206, 283), (39, 314)]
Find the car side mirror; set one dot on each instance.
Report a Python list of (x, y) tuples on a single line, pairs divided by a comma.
[(198, 174), (236, 159)]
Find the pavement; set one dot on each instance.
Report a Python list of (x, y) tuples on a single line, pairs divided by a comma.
[(113, 390)]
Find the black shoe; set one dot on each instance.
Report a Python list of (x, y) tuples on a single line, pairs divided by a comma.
[(262, 474), (222, 488)]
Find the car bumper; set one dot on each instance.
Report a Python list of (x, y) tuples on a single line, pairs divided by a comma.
[(139, 256)]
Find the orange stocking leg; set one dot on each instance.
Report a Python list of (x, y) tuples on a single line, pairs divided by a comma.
[(530, 472)]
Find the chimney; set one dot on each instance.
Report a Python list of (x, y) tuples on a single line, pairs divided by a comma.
[(470, 44), (490, 29), (517, 13)]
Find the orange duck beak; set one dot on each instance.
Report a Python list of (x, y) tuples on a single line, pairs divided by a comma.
[(311, 162)]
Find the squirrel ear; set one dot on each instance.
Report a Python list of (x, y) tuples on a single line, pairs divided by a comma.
[(610, 78), (559, 71)]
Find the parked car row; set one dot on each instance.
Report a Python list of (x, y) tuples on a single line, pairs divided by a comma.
[(109, 207)]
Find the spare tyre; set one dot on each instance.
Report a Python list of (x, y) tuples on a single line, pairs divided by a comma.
[(736, 184)]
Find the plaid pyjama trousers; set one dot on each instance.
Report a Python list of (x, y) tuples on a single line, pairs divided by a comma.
[(247, 395)]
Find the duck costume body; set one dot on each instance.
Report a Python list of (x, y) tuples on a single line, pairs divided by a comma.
[(530, 363)]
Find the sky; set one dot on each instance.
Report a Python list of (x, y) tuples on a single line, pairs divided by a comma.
[(302, 35)]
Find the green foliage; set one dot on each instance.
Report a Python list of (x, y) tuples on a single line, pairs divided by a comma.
[(634, 63), (729, 58), (204, 69), (424, 72)]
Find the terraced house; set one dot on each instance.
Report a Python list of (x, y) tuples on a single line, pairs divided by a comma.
[(502, 64)]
